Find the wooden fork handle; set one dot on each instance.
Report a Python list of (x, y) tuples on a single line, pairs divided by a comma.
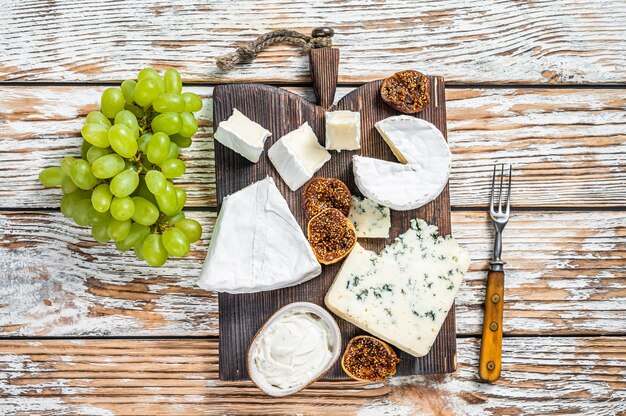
[(491, 345)]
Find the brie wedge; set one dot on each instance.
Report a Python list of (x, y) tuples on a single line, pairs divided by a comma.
[(257, 244), (423, 149), (242, 135), (297, 156), (343, 130), (404, 294)]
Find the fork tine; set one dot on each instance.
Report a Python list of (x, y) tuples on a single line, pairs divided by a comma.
[(493, 184), (501, 188), (508, 194)]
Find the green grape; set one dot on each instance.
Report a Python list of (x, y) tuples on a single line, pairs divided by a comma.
[(112, 102), (99, 233), (138, 249), (123, 140), (158, 147), (136, 235), (122, 208), (96, 217), (84, 148), (153, 250), (128, 119), (82, 176), (52, 176), (168, 123), (144, 192), (101, 198), (66, 164), (193, 102), (128, 90), (138, 112), (181, 141), (175, 242), (189, 124), (173, 168), (142, 143), (96, 153), (168, 200), (98, 118), (118, 230), (124, 183), (173, 219), (108, 166), (146, 91), (173, 153), (191, 228), (83, 212), (96, 134), (155, 181), (181, 197), (69, 202), (148, 73), (169, 102), (173, 83), (68, 186), (145, 212)]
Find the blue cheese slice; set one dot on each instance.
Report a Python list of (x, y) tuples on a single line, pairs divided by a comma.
[(404, 294), (370, 219)]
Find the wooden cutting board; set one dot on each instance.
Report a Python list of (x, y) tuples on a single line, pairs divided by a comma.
[(281, 111)]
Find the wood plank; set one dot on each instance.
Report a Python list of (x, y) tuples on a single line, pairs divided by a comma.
[(569, 41), (158, 377), (565, 274), (241, 315), (544, 132)]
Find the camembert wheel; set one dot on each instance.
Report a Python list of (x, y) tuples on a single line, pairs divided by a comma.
[(322, 193), (369, 359), (331, 235)]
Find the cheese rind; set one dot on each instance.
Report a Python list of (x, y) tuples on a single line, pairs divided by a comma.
[(343, 130), (370, 219), (404, 294), (297, 156), (257, 244), (399, 186), (242, 135)]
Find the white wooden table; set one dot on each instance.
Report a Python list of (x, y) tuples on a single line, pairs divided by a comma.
[(87, 330)]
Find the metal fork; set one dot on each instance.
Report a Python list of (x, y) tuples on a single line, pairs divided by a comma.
[(491, 345)]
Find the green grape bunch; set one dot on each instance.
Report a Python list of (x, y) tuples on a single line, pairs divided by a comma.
[(123, 183)]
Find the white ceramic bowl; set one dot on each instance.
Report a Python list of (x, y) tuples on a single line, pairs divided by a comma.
[(334, 338)]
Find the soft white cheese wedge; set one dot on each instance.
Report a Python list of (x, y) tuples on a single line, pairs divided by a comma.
[(242, 135), (404, 294), (423, 149), (370, 219), (343, 130), (257, 244), (297, 156)]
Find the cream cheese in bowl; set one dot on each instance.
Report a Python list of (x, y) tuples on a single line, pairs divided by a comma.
[(296, 346)]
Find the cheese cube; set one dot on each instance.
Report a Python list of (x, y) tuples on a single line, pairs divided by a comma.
[(297, 156), (343, 130), (370, 219), (242, 135)]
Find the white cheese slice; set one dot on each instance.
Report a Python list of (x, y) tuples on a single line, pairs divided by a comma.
[(370, 219), (399, 186), (297, 156), (404, 294), (242, 135), (343, 130), (257, 244)]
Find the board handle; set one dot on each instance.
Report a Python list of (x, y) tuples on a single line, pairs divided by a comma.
[(324, 67), (491, 345)]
